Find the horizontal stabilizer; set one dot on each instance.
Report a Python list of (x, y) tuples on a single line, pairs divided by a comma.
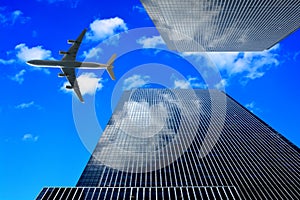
[(110, 67), (111, 73), (112, 59)]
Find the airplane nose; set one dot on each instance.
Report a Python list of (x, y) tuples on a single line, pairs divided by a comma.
[(30, 62)]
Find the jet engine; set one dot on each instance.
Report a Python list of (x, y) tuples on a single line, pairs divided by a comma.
[(63, 52), (69, 87), (62, 75), (71, 41)]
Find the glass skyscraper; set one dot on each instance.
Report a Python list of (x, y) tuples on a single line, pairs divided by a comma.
[(223, 25), (189, 144)]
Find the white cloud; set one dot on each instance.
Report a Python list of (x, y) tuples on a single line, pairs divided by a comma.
[(196, 54), (149, 121), (11, 17), (30, 138), (252, 107), (105, 28), (244, 65), (88, 84), (150, 42), (191, 82), (135, 81), (24, 53), (7, 62), (139, 9), (3, 18), (19, 77), (94, 52), (25, 105), (181, 84), (221, 85), (15, 15), (28, 105), (296, 56), (113, 41), (251, 65)]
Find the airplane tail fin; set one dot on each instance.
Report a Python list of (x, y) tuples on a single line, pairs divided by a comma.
[(110, 67)]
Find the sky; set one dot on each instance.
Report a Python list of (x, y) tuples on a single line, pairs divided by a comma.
[(47, 135)]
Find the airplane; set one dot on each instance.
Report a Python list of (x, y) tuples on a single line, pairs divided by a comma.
[(69, 63)]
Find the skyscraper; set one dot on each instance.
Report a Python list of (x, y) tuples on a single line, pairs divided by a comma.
[(219, 25), (167, 144)]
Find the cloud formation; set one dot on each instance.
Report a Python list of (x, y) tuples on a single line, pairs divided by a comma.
[(12, 17), (25, 105), (151, 42), (139, 9), (244, 65), (6, 62), (296, 56), (94, 52), (88, 83), (221, 85), (19, 77), (251, 65), (191, 82), (135, 81), (30, 138), (150, 121), (102, 29), (252, 107), (24, 53)]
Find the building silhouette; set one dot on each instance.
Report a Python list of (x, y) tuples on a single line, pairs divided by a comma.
[(219, 25), (186, 144)]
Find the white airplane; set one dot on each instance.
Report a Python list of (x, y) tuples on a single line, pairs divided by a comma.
[(68, 64)]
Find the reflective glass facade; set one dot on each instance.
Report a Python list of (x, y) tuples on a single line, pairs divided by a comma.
[(223, 25), (167, 144)]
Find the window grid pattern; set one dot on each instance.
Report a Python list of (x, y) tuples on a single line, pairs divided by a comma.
[(219, 25), (140, 193), (249, 156)]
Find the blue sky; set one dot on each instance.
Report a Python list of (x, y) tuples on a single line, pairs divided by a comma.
[(46, 135)]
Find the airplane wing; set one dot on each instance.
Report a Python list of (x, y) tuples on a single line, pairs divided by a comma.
[(72, 52), (70, 72), (70, 55)]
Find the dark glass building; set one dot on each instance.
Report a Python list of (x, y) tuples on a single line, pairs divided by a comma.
[(186, 144), (223, 25)]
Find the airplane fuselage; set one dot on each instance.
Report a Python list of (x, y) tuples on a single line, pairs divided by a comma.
[(66, 64)]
